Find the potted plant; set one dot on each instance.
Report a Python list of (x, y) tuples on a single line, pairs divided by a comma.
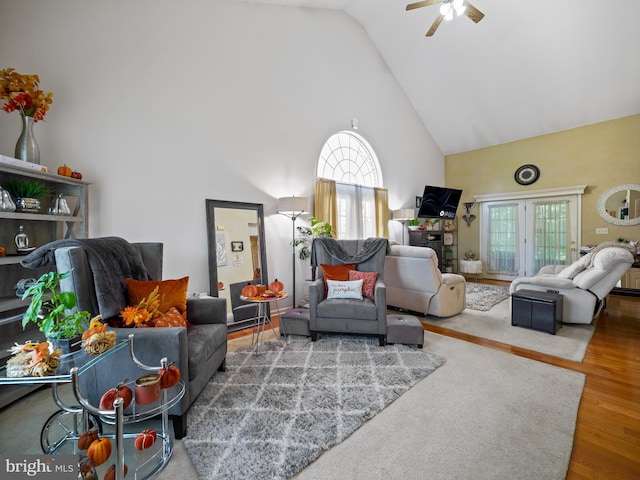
[(318, 228), (448, 266), (27, 194), (448, 253), (48, 310), (414, 224)]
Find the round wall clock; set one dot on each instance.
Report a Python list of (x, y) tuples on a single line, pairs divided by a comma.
[(527, 174)]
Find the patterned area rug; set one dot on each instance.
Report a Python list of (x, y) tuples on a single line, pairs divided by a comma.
[(482, 297), (271, 414)]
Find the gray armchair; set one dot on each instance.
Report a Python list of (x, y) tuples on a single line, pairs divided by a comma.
[(350, 316), (198, 351)]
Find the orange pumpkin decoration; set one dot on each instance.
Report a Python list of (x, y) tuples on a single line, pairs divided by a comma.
[(99, 450), (249, 290), (169, 376), (145, 439), (276, 286), (110, 474), (64, 171), (3, 251), (87, 438)]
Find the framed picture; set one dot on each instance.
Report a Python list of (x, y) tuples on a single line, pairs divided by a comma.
[(237, 246)]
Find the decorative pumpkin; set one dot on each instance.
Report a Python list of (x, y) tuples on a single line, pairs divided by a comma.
[(145, 439), (87, 438), (169, 376), (110, 474), (276, 286), (3, 251), (99, 450), (106, 402), (249, 290), (64, 171)]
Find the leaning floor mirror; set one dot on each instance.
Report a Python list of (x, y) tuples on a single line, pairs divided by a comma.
[(237, 255)]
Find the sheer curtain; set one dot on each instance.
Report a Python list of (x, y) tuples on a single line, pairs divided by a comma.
[(356, 211), (551, 220), (502, 239)]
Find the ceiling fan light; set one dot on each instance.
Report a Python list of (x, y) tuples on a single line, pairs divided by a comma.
[(458, 3), (445, 9), (449, 15), (460, 10)]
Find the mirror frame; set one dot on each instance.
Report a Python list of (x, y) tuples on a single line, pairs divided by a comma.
[(605, 214), (211, 205)]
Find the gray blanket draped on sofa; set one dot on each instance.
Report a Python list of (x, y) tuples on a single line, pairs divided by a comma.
[(111, 259)]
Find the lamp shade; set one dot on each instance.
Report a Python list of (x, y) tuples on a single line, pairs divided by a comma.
[(292, 206), (404, 214)]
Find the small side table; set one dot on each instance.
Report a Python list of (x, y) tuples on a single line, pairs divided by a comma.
[(263, 315), (471, 267)]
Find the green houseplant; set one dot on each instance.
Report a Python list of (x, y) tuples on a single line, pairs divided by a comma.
[(48, 310), (318, 228), (27, 194), (27, 189)]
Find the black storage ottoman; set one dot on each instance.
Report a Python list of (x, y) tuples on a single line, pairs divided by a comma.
[(536, 310)]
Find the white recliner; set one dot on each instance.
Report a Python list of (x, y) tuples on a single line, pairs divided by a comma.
[(584, 284), (415, 283)]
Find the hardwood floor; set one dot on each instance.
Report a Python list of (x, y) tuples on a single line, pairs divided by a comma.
[(607, 438)]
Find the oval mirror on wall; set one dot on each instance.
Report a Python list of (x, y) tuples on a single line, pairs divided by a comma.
[(620, 205)]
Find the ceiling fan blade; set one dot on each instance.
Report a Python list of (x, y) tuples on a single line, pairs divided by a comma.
[(435, 26), (472, 12), (426, 3)]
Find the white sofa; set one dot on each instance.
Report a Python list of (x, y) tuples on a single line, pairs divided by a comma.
[(584, 284), (415, 283)]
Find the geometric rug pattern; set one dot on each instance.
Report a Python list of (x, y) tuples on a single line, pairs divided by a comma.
[(271, 414)]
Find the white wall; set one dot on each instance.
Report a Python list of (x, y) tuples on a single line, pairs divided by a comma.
[(162, 104)]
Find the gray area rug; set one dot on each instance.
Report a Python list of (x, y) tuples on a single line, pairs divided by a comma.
[(271, 414), (482, 297), (484, 415), (569, 342)]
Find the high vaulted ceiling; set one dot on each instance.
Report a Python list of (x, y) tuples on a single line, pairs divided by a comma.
[(530, 67)]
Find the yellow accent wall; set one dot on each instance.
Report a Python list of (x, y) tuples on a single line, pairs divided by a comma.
[(600, 156)]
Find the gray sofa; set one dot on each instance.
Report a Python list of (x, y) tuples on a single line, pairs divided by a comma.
[(198, 351)]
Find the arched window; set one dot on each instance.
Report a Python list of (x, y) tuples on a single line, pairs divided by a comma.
[(348, 159)]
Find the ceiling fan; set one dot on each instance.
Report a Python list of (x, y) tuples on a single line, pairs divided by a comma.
[(447, 11)]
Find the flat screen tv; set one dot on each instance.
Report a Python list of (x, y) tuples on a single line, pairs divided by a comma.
[(439, 202)]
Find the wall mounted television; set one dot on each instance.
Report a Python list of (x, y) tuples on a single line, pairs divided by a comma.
[(439, 202)]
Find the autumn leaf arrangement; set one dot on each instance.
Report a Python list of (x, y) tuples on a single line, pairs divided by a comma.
[(23, 93)]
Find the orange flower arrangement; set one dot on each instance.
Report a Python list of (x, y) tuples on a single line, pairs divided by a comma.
[(22, 93), (143, 314)]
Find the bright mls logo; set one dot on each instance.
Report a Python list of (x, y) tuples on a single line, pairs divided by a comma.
[(39, 467)]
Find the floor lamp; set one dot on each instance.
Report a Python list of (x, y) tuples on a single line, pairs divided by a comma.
[(293, 207), (403, 216)]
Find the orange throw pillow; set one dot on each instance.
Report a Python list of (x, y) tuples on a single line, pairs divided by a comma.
[(173, 293), (338, 272)]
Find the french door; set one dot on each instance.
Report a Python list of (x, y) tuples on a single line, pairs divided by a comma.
[(520, 235)]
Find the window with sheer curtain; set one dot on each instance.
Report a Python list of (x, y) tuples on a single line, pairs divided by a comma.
[(348, 159)]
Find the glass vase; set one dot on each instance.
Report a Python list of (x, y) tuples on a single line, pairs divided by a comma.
[(27, 147)]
